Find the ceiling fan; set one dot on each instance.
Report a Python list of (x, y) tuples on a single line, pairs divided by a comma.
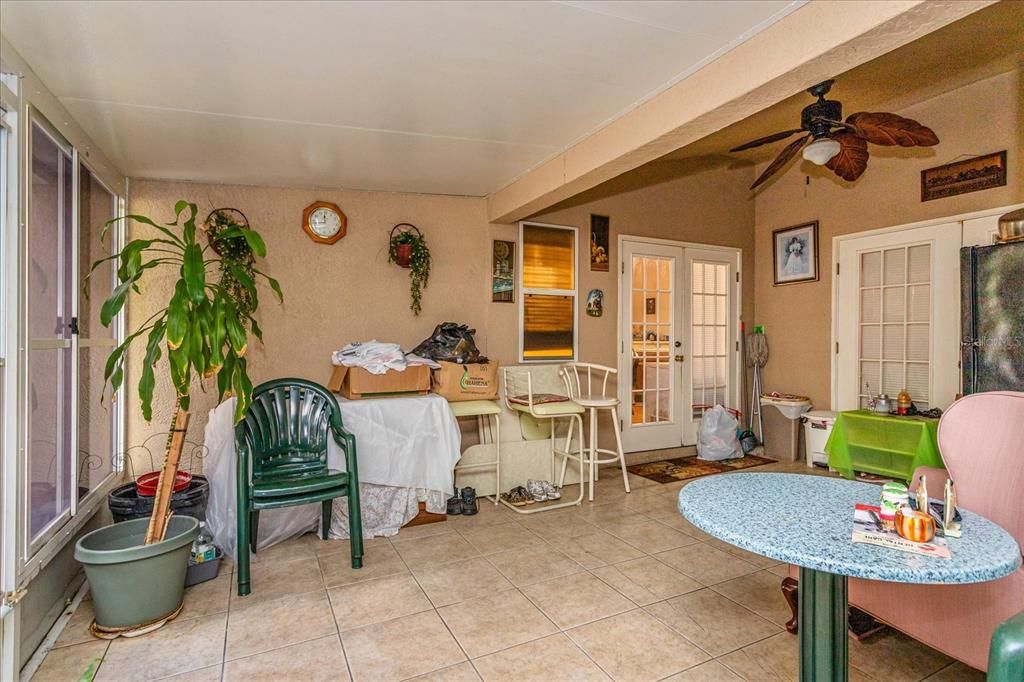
[(842, 147)]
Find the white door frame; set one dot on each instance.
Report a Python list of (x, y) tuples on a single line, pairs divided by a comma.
[(737, 364), (968, 239)]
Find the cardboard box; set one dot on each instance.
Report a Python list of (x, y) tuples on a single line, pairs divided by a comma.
[(456, 382), (355, 382)]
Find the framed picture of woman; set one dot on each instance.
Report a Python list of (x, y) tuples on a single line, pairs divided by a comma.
[(795, 251)]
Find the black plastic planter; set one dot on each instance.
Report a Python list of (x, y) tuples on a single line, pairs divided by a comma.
[(126, 504)]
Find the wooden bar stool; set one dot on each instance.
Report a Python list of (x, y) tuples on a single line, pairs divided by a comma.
[(587, 385)]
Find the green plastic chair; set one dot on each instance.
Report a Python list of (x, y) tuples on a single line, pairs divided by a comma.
[(282, 461), (1006, 656)]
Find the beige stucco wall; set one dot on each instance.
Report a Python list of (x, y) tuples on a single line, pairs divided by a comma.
[(984, 117), (348, 291)]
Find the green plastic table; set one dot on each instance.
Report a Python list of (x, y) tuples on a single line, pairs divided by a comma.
[(881, 444)]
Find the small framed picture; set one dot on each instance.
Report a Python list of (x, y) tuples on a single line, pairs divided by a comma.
[(795, 251), (651, 306), (599, 252), (503, 272)]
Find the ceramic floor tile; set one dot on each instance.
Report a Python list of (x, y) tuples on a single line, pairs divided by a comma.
[(533, 564), (318, 660), (455, 582), (500, 538), (324, 547), (781, 570), (751, 558), (401, 648), (489, 515), (891, 655), (424, 530), (260, 626), (636, 646), (712, 622), (712, 671), (705, 564), (293, 548), (71, 662), (76, 630), (269, 578), (378, 561), (957, 672), (211, 674), (373, 601), (673, 519), (435, 550), (651, 537), (463, 672), (196, 643), (576, 599), (209, 597), (551, 658), (761, 593), (558, 524), (770, 660), (491, 623), (646, 580), (598, 549)]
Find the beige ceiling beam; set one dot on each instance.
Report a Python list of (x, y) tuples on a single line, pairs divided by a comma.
[(820, 40)]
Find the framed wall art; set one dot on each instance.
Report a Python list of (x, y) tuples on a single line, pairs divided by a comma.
[(795, 253), (962, 177), (503, 272), (599, 249)]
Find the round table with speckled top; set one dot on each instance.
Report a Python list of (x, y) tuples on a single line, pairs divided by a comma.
[(808, 521)]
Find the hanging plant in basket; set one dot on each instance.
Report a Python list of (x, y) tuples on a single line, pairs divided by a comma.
[(236, 256), (408, 249)]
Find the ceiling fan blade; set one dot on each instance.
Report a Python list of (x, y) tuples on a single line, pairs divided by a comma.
[(852, 158), (781, 160), (891, 130), (765, 140)]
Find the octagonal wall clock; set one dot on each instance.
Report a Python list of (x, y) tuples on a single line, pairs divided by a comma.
[(324, 222)]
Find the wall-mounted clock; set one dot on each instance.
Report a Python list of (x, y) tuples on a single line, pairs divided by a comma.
[(324, 222)]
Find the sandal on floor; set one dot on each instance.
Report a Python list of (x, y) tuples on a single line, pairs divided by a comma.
[(517, 497)]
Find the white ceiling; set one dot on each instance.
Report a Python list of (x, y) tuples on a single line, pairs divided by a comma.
[(436, 97)]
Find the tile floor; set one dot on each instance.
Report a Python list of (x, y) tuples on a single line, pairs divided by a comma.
[(622, 588)]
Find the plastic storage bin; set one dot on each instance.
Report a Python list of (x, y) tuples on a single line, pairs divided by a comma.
[(817, 428)]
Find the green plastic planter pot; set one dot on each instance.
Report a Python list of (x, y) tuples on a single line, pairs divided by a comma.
[(133, 583)]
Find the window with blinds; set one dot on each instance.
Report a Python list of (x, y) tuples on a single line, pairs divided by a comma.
[(895, 322), (548, 290)]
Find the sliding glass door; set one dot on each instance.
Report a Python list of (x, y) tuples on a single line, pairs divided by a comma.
[(71, 434)]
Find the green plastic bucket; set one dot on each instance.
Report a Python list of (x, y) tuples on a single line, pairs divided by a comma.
[(133, 583)]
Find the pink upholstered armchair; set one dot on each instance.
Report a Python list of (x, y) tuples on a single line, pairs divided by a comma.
[(981, 437)]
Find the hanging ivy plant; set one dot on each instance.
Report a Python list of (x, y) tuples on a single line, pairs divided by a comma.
[(408, 249), (236, 256)]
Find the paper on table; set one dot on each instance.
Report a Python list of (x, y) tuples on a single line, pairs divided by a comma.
[(867, 530)]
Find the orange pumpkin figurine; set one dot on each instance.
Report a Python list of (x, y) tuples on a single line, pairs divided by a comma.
[(914, 525)]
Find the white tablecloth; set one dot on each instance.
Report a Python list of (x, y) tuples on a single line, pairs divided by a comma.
[(406, 449)]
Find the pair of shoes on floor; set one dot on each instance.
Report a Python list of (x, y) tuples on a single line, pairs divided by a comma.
[(541, 491), (517, 497), (463, 503)]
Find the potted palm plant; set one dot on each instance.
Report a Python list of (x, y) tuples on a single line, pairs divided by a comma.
[(136, 569), (408, 249)]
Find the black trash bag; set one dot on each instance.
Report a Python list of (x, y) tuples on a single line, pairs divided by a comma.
[(451, 342)]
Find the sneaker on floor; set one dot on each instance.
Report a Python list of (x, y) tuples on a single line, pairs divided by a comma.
[(550, 491), (536, 490), (469, 504)]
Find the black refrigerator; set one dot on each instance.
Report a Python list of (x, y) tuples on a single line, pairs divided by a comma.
[(992, 317)]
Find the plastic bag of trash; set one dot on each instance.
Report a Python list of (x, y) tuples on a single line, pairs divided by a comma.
[(717, 439), (451, 342)]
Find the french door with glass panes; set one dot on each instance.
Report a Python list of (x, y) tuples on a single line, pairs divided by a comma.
[(678, 329), (897, 316)]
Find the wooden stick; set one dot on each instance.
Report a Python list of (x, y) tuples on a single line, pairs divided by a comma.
[(165, 487)]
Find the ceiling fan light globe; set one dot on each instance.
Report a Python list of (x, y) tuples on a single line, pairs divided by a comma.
[(821, 150)]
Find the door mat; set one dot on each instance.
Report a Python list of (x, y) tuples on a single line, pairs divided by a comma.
[(683, 468)]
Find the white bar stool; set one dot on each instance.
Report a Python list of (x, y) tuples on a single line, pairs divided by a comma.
[(482, 410), (585, 393), (519, 396)]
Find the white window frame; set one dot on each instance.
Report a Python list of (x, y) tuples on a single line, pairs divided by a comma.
[(523, 291)]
